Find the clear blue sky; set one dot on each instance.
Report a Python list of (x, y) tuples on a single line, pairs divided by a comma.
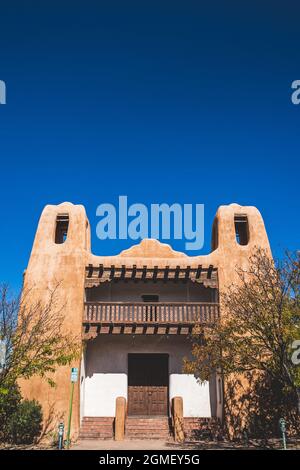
[(162, 101)]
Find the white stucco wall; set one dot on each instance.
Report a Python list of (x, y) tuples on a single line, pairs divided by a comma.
[(82, 385), (106, 369), (196, 397)]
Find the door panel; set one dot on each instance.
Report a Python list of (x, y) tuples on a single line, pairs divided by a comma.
[(158, 400), (148, 379), (137, 401)]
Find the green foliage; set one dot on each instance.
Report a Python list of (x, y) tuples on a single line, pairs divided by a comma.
[(35, 335), (9, 401), (260, 319), (25, 424), (37, 343)]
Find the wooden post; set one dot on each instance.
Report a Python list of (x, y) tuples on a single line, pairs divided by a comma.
[(120, 418), (177, 415)]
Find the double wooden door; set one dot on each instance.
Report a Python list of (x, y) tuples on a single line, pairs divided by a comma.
[(148, 379)]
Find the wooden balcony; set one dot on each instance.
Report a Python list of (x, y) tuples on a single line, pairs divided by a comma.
[(149, 318)]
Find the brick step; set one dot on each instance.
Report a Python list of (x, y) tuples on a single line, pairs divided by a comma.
[(92, 431), (96, 423), (164, 423), (147, 423), (148, 428), (98, 420), (150, 420), (148, 435), (145, 430), (141, 423), (99, 429)]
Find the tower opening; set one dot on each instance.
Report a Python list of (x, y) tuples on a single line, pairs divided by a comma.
[(61, 230), (241, 229)]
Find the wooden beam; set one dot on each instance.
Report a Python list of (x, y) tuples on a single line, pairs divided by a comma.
[(90, 270), (123, 272), (155, 271), (198, 273), (209, 271), (144, 273), (101, 270), (112, 271), (187, 273), (133, 274)]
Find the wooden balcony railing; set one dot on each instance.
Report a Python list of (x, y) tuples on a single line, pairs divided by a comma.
[(153, 313)]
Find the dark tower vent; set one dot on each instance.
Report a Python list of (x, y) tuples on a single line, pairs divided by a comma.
[(61, 230), (215, 235), (241, 229)]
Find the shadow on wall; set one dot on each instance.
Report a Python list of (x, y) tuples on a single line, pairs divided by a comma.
[(255, 403), (109, 354)]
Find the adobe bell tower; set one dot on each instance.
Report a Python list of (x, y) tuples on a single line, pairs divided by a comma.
[(58, 256)]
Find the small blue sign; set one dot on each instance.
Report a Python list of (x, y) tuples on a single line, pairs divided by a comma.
[(74, 374)]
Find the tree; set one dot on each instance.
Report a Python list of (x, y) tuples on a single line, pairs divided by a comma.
[(260, 320), (34, 337)]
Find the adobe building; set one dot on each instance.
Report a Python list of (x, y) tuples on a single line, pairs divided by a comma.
[(133, 314)]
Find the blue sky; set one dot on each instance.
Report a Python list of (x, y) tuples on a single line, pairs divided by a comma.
[(161, 101)]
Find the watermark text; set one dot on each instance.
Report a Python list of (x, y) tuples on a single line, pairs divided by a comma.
[(2, 92), (137, 221)]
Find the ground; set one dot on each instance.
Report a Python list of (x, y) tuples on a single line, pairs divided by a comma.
[(104, 445), (162, 445)]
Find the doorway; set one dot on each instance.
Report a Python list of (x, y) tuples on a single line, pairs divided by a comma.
[(148, 384)]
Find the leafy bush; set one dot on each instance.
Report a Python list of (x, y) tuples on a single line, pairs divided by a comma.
[(25, 424), (10, 399)]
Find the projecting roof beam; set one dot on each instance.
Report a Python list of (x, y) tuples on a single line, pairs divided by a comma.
[(112, 272), (133, 274), (101, 270), (90, 270), (198, 272)]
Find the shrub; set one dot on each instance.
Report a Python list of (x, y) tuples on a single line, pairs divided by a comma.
[(10, 399), (25, 424)]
